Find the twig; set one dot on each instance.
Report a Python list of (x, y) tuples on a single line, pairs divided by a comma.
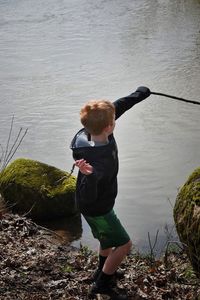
[(48, 230), (2, 155), (7, 156), (8, 141), (152, 255), (176, 98), (170, 202), (7, 204), (169, 233), (26, 213), (67, 176), (168, 236), (9, 159), (166, 251)]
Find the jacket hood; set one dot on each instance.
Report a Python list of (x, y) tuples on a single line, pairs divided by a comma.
[(83, 147)]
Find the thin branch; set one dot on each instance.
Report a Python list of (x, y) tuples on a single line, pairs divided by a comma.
[(179, 244), (49, 230), (9, 205), (26, 213), (9, 136), (67, 176), (170, 202), (7, 155), (156, 239), (152, 255), (2, 155), (168, 236), (10, 152), (155, 242), (7, 162)]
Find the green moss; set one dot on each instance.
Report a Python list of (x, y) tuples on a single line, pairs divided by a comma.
[(187, 217), (46, 190)]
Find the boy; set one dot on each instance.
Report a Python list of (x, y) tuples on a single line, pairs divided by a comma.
[(95, 153)]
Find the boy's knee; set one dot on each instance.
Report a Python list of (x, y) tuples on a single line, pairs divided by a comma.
[(126, 248)]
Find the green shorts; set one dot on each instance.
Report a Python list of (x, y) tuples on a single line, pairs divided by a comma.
[(108, 230)]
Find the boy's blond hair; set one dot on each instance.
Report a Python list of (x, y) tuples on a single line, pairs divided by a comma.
[(97, 115)]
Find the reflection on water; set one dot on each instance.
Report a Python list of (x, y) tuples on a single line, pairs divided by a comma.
[(67, 229)]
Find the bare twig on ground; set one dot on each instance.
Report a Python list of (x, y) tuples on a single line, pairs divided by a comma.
[(152, 247), (178, 244)]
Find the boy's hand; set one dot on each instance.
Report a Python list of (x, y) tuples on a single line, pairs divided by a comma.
[(145, 90), (84, 167)]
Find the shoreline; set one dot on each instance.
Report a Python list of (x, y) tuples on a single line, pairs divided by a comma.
[(34, 266)]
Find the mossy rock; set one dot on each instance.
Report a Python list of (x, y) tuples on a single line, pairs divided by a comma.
[(187, 218), (42, 190)]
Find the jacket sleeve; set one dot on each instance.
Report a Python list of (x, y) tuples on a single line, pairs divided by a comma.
[(125, 103)]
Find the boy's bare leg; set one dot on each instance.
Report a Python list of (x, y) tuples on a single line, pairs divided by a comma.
[(104, 252), (103, 284), (115, 257)]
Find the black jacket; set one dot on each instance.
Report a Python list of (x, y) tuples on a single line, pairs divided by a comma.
[(96, 193)]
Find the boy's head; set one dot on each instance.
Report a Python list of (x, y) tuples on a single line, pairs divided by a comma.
[(96, 115)]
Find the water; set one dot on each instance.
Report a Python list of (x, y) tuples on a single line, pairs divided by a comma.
[(57, 54)]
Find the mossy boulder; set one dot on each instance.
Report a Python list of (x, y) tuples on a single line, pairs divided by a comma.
[(40, 189), (187, 218)]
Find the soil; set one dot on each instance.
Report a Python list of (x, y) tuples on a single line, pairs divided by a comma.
[(34, 266)]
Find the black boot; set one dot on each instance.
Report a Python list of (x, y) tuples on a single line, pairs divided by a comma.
[(119, 274), (104, 285)]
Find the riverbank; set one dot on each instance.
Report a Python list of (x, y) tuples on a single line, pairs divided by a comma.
[(34, 266)]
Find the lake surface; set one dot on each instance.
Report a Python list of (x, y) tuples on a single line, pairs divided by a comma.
[(55, 55)]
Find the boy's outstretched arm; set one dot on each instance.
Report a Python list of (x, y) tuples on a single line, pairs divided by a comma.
[(125, 103)]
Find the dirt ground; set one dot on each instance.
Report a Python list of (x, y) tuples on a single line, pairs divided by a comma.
[(34, 266)]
